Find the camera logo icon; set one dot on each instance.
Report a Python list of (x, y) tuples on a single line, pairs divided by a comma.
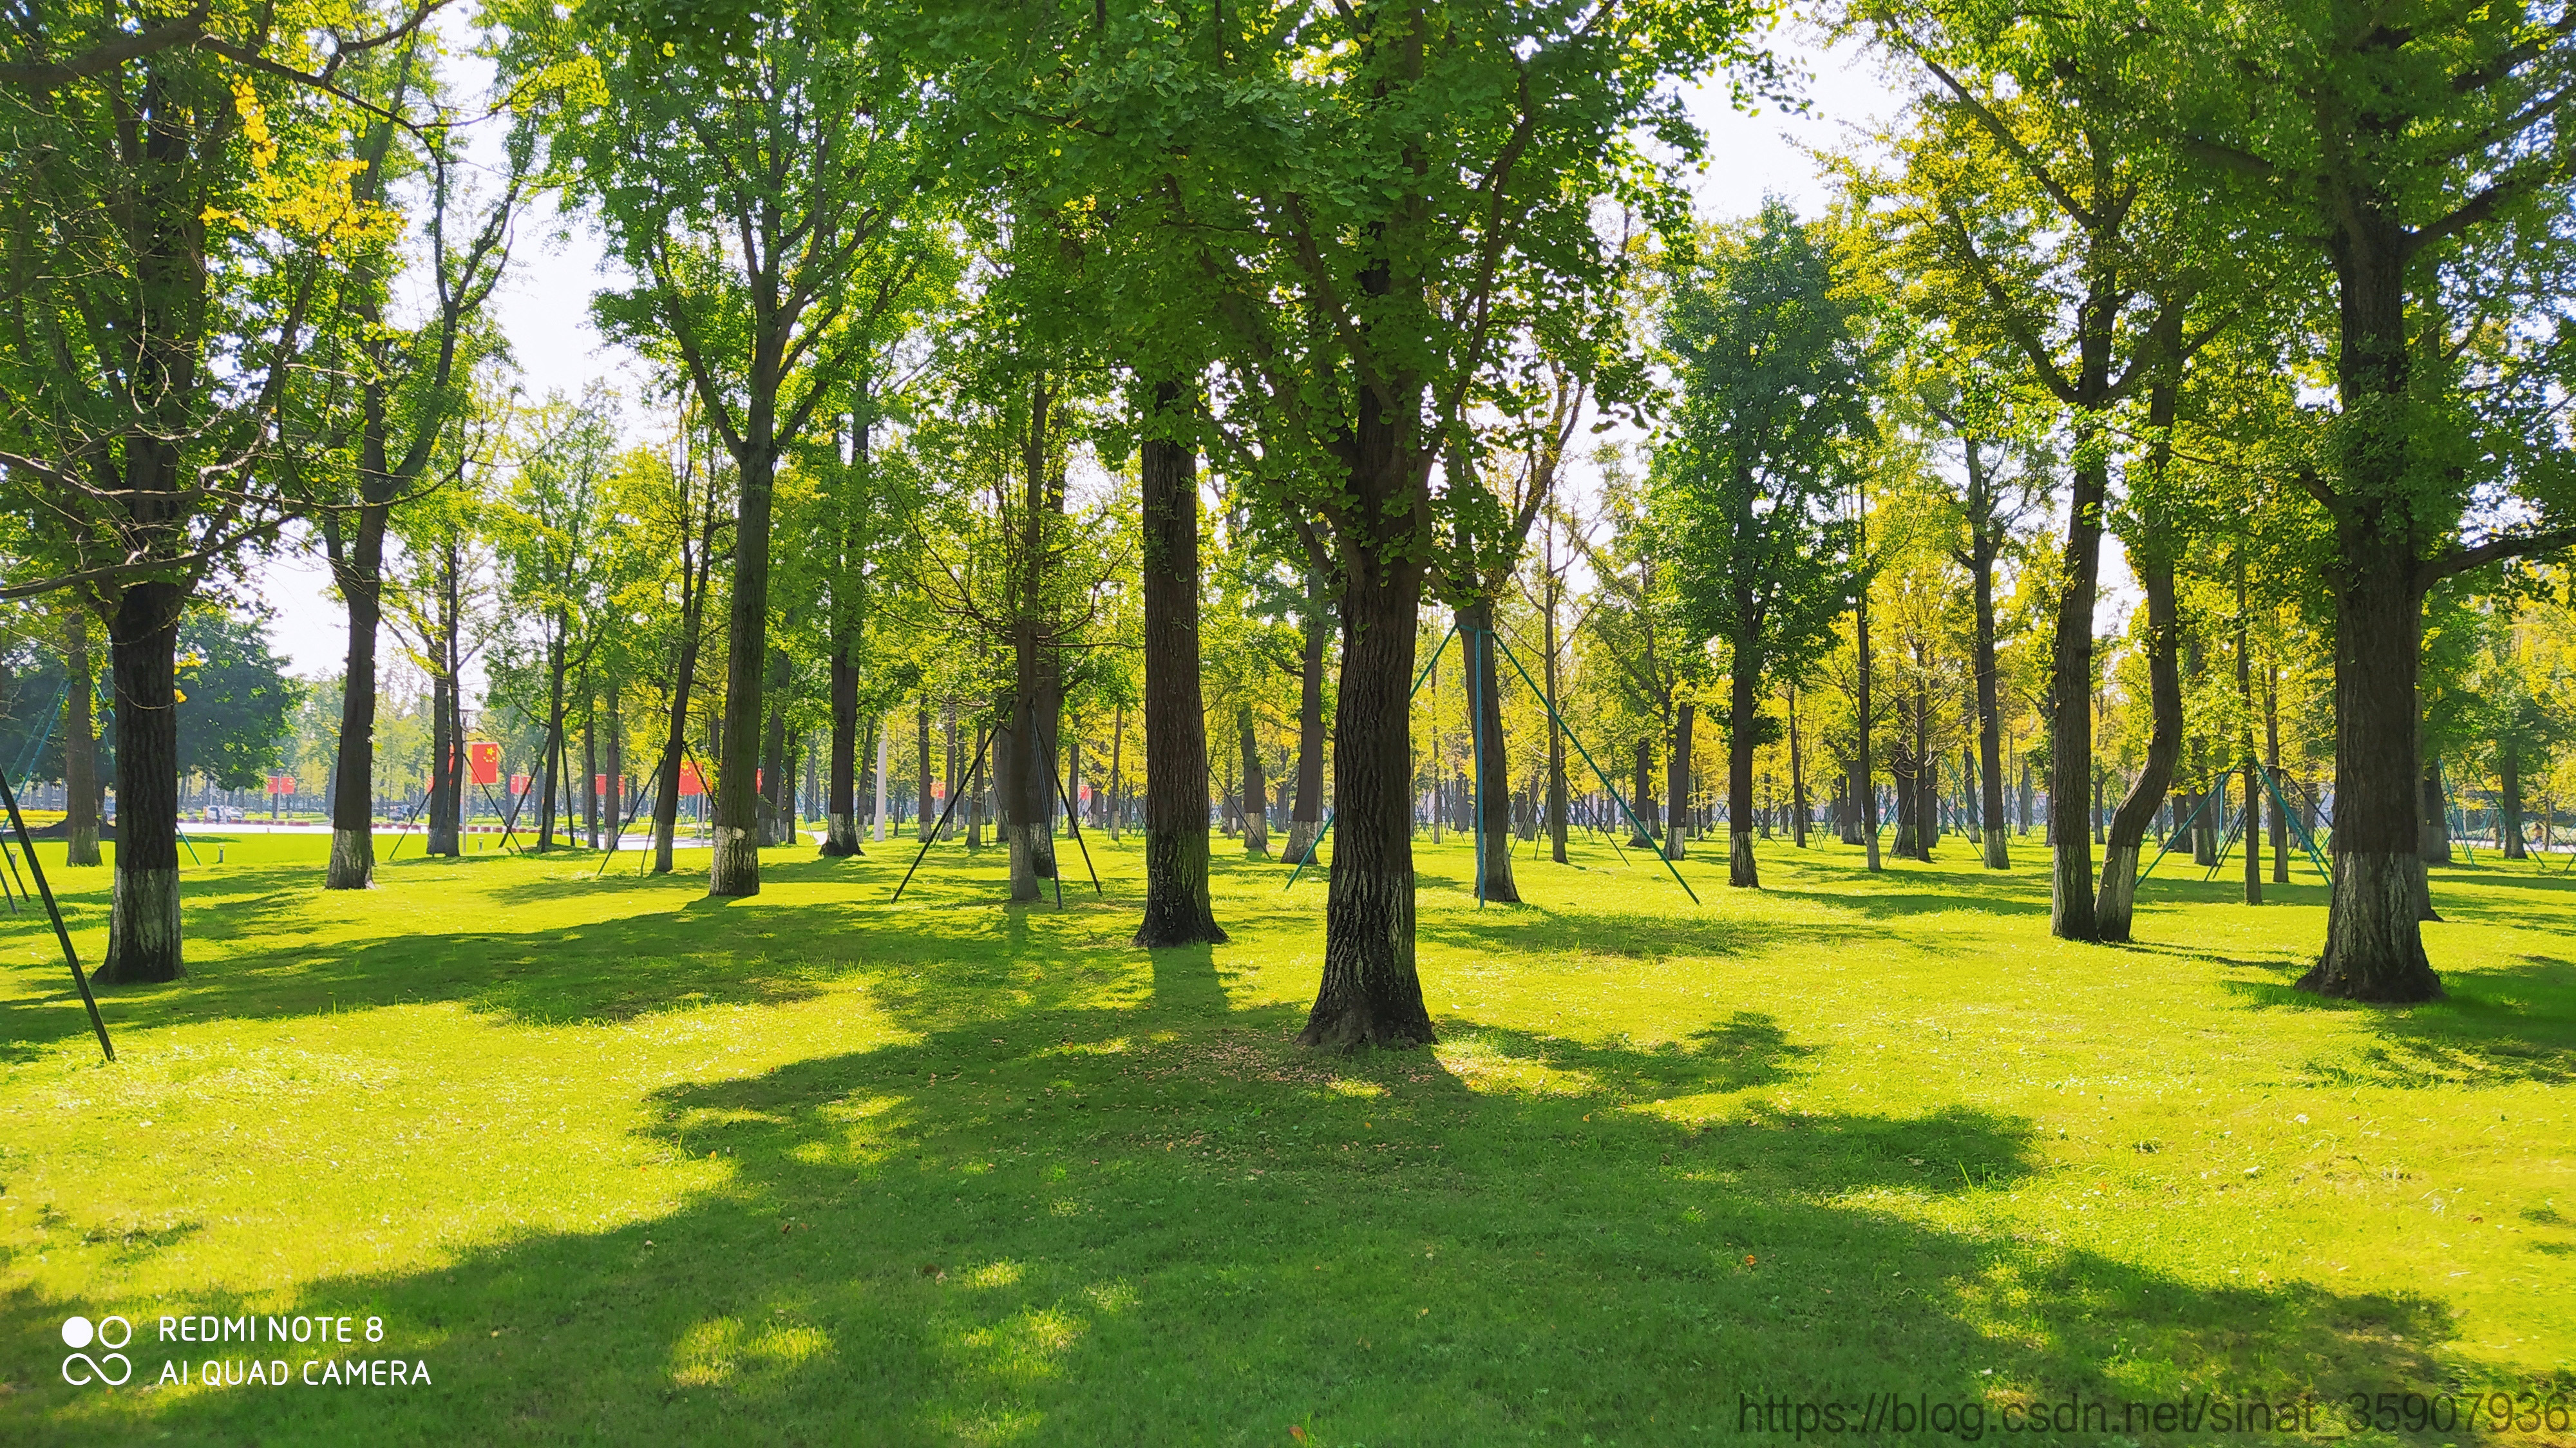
[(110, 1366)]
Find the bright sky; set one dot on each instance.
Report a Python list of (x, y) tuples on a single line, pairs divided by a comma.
[(544, 306)]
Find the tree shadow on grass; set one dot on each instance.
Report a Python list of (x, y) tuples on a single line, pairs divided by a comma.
[(1161, 1223), (2499, 1025)]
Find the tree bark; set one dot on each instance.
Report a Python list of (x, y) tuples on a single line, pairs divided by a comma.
[(775, 783), (2509, 790), (1797, 776), (80, 748), (840, 805), (928, 806), (143, 942), (360, 576), (735, 869), (2113, 908), (2070, 735), (1371, 994), (1744, 716), (1256, 788), (1305, 817), (1492, 801), (1177, 911), (1677, 780), (1642, 799)]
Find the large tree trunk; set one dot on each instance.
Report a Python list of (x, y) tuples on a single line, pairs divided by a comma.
[(735, 868), (2374, 944), (360, 577), (2374, 947), (143, 917), (1371, 995), (1305, 817), (2272, 763), (840, 804), (1493, 795), (2112, 909), (1744, 714), (1176, 764), (2070, 733), (80, 747)]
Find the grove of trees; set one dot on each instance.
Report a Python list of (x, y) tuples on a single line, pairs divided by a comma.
[(1302, 428)]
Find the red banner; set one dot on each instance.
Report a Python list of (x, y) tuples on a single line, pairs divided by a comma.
[(483, 757), (281, 784), (690, 783), (599, 786), (518, 784)]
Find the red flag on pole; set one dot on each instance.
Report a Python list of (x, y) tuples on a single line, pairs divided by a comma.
[(518, 784), (690, 783), (483, 757)]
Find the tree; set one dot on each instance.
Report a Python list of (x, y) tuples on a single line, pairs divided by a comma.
[(407, 382), (1776, 370), (2038, 197), (2424, 159), (181, 223), (750, 174)]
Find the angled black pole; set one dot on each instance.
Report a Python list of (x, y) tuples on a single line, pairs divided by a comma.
[(413, 814), (1577, 741), (1072, 820), (641, 797), (71, 957), (981, 739)]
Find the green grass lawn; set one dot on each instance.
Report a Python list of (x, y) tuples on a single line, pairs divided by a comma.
[(621, 1164)]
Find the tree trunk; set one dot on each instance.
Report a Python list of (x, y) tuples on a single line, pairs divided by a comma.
[(1371, 995), (80, 747), (1677, 780), (590, 770), (2070, 736), (1177, 911), (774, 784), (1492, 801), (360, 577), (666, 787), (1864, 784), (615, 806), (2272, 763), (735, 868), (1117, 752), (1256, 788), (1744, 714), (2374, 947), (447, 804), (1797, 777), (840, 804), (1642, 799), (2509, 801), (143, 942), (2113, 907), (1305, 818), (446, 752), (2435, 817), (928, 810), (1555, 737), (549, 765)]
